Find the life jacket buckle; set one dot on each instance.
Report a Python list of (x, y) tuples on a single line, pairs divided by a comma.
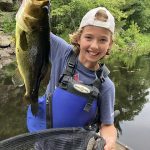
[(87, 107), (71, 65)]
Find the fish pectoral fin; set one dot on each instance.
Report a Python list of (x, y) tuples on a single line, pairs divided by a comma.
[(23, 41), (17, 79)]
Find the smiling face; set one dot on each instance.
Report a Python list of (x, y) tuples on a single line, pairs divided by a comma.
[(94, 43)]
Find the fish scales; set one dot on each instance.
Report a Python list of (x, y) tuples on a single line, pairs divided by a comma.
[(32, 46)]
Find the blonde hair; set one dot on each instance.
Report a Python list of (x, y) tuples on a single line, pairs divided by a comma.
[(74, 37)]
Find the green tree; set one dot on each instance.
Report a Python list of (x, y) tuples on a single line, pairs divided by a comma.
[(139, 12), (66, 15)]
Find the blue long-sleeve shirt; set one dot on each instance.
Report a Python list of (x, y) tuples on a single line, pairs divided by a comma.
[(60, 51)]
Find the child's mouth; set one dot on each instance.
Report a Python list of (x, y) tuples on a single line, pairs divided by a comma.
[(93, 53)]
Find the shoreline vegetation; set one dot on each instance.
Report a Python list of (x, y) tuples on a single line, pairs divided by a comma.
[(132, 37), (131, 42)]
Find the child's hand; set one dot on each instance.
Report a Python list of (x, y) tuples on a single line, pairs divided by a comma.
[(110, 144)]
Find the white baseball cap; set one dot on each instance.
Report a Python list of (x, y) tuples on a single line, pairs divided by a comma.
[(90, 19)]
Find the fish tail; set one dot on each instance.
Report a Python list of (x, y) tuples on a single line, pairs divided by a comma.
[(34, 105)]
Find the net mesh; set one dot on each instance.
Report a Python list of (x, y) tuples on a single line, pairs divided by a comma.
[(54, 139)]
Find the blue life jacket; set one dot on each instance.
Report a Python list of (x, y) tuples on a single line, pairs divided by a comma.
[(72, 104)]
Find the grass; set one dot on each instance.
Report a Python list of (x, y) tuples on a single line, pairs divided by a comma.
[(7, 21)]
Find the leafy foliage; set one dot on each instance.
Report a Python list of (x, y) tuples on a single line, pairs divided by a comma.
[(8, 25), (140, 13), (129, 45), (66, 15), (7, 19), (132, 18)]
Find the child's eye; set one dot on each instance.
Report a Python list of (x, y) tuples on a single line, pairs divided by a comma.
[(103, 40), (88, 37)]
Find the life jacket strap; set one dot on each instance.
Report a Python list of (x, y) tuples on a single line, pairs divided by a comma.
[(102, 72), (66, 79), (71, 64), (49, 116), (93, 95)]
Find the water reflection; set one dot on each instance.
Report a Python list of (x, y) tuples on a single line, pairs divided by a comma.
[(12, 109), (136, 133), (132, 92), (12, 112), (131, 85)]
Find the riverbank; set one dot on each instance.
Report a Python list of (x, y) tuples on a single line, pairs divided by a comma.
[(7, 49)]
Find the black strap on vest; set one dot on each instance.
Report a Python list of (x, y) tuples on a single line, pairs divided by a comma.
[(64, 80), (71, 66), (67, 76), (49, 116), (101, 73)]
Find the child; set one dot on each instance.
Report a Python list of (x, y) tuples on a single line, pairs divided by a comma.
[(91, 43)]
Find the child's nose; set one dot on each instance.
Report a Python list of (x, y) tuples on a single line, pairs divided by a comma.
[(94, 44)]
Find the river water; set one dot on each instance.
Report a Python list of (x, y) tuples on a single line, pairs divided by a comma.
[(132, 100)]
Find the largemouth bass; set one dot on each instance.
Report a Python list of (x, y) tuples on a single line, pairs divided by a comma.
[(32, 47)]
